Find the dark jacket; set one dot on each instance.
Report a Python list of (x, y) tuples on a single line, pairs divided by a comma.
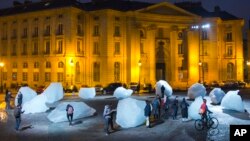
[(147, 110), (20, 99), (70, 109), (17, 112)]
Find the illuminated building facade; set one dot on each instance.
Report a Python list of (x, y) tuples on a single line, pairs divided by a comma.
[(105, 41)]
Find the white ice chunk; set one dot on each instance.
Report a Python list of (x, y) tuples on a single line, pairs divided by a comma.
[(81, 110), (28, 94), (216, 95), (87, 93), (121, 93), (193, 109), (196, 90), (233, 101), (36, 105), (54, 92), (130, 112), (168, 89)]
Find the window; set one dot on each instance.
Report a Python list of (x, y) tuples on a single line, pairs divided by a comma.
[(96, 75), (117, 48), (25, 65), (180, 49), (204, 35), (47, 76), (141, 48), (60, 47), (35, 34), (35, 48), (230, 71), (117, 71), (24, 52), (96, 30), (14, 76), (36, 65), (36, 76), (14, 33), (160, 32), (47, 47), (96, 48), (48, 64), (229, 50), (14, 65), (229, 37), (13, 50), (25, 76), (47, 30), (77, 76), (117, 31), (60, 76), (25, 31), (78, 46), (60, 29), (60, 65), (79, 30)]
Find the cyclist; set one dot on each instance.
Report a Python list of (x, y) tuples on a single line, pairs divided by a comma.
[(203, 111)]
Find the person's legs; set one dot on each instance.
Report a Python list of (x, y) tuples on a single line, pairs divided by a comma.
[(18, 121), (147, 121), (71, 117)]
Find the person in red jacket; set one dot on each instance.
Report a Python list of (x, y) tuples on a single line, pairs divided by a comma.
[(203, 111)]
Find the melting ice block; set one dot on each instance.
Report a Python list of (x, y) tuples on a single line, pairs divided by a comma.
[(121, 93), (168, 89), (216, 95), (196, 90), (130, 112), (28, 94), (54, 92), (87, 93), (193, 109), (233, 101), (36, 105), (81, 110)]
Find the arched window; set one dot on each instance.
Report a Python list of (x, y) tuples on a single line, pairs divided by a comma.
[(230, 71), (60, 65)]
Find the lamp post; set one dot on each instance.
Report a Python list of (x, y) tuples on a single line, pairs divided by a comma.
[(71, 64), (248, 75), (1, 65), (200, 67), (139, 84)]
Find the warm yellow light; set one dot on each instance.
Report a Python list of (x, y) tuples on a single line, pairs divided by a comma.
[(1, 64), (139, 63), (248, 63), (200, 63), (71, 62)]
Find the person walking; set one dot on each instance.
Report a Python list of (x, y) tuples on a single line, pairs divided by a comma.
[(147, 113), (108, 118), (175, 108), (17, 113), (184, 109), (70, 112), (19, 98), (8, 97)]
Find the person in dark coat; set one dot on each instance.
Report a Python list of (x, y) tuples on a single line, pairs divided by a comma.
[(70, 113), (8, 97), (166, 107), (156, 106), (184, 109), (17, 113), (108, 118), (20, 99), (175, 108), (147, 113)]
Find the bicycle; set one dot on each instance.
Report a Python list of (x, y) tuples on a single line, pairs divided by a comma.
[(212, 122)]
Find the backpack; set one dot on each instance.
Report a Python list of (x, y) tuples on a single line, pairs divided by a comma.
[(70, 110)]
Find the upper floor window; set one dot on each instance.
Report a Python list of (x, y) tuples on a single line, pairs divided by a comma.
[(24, 51), (96, 48), (25, 32), (25, 65), (47, 47), (60, 29), (79, 30), (60, 65), (229, 50), (36, 65), (35, 48), (96, 75), (14, 65), (204, 35), (180, 49), (96, 30), (229, 37), (47, 30), (59, 46), (117, 48), (48, 64), (117, 31)]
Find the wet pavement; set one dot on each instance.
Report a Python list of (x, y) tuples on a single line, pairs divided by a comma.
[(36, 127)]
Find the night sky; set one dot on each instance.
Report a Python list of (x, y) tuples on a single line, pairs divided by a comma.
[(239, 8)]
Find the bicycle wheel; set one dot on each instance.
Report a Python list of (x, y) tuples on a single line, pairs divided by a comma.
[(213, 122), (198, 124)]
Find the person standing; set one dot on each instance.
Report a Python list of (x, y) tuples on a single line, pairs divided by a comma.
[(156, 106), (162, 91), (175, 108), (166, 107), (17, 113), (8, 97), (19, 98), (147, 113), (184, 109), (70, 112), (108, 118)]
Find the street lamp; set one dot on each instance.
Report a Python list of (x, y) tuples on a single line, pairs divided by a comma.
[(1, 65), (139, 84)]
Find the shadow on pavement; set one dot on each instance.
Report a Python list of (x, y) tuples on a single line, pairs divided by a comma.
[(156, 122), (77, 122), (236, 114), (26, 127)]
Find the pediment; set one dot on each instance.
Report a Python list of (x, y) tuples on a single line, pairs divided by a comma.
[(165, 8)]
